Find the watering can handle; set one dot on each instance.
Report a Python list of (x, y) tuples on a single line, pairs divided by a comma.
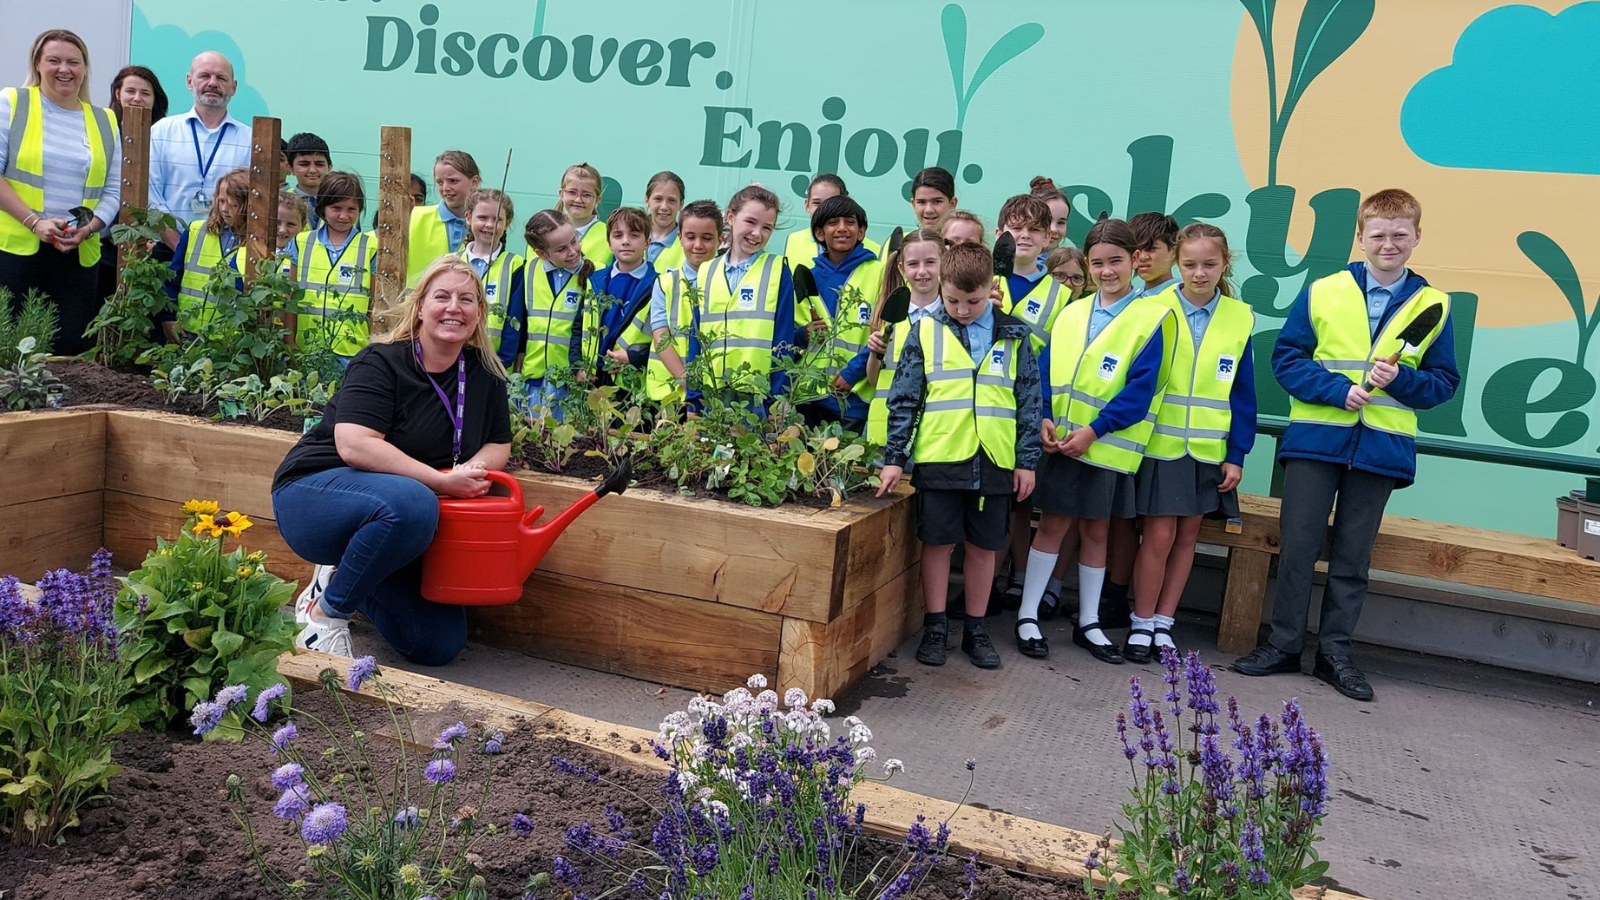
[(502, 478)]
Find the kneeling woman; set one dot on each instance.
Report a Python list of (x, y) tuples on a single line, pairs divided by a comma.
[(422, 412)]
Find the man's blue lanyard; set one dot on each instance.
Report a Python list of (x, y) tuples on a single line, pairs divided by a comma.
[(194, 132)]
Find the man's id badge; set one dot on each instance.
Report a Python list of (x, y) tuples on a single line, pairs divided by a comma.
[(200, 203), (1108, 366), (1226, 366), (747, 298), (570, 300)]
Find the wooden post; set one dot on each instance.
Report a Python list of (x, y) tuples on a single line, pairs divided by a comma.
[(1242, 600), (135, 170), (393, 226), (261, 210)]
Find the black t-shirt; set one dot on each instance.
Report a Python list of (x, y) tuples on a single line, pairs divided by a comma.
[(385, 389)]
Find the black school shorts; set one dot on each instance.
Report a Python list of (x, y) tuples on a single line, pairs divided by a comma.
[(953, 517)]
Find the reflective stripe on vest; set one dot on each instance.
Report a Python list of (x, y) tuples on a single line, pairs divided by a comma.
[(965, 407), (334, 286), (1338, 312), (1040, 312), (551, 324), (1086, 375), (659, 382), (25, 168), (737, 326), (496, 286), (878, 412), (1196, 413)]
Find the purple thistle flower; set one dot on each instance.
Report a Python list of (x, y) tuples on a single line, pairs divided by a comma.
[(206, 716), (454, 733), (287, 776), (494, 742), (293, 804), (282, 737), (325, 824), (440, 771), (263, 708), (360, 671), (232, 695), (409, 817), (521, 825)]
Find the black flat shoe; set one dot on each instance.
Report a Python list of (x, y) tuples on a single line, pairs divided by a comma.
[(1106, 653), (1037, 648), (1048, 605), (1344, 676), (1156, 650), (1139, 653), (931, 651), (978, 646), (1267, 660)]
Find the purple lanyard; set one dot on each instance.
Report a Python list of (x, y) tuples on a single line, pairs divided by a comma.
[(458, 416)]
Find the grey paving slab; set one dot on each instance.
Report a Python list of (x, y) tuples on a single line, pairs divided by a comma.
[(1461, 780)]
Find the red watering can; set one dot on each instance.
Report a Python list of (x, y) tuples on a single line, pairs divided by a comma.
[(486, 547)]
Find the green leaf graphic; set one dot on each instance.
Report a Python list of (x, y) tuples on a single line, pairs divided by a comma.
[(1327, 29), (1011, 45), (953, 22), (1554, 262), (1014, 43)]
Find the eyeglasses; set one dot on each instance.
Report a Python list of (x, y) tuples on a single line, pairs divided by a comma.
[(1074, 280), (580, 196)]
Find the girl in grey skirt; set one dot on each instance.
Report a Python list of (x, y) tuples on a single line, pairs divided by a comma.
[(1204, 428)]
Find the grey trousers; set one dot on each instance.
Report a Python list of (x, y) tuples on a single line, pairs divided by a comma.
[(1309, 490)]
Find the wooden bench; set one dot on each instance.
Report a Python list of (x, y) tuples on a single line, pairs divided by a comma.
[(1455, 554)]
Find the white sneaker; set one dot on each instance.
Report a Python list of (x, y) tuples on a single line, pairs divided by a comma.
[(329, 635), (320, 576)]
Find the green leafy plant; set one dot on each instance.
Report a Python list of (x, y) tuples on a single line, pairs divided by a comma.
[(36, 319), (27, 383), (62, 684), (1327, 29), (198, 617), (296, 393), (125, 329), (196, 378)]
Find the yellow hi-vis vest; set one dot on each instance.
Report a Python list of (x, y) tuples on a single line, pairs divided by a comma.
[(966, 404), (1338, 309), (25, 168), (878, 412), (858, 297), (1085, 375), (552, 319), (737, 326), (678, 287), (671, 257), (429, 240), (596, 245), (1196, 412), (202, 255), (335, 284), (497, 288), (1040, 308)]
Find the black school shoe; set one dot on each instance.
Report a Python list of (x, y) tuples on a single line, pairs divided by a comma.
[(1139, 654), (1037, 648), (1340, 672), (1106, 653), (1267, 660), (931, 651), (976, 644)]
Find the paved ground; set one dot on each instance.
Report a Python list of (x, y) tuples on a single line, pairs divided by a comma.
[(1460, 781)]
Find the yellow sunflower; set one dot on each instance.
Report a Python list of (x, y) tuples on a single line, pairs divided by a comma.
[(205, 525), (234, 523), (201, 507)]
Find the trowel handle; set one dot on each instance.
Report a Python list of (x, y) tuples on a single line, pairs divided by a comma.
[(1391, 359)]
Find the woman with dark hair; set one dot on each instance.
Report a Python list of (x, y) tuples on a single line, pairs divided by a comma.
[(62, 183), (133, 86), (138, 86)]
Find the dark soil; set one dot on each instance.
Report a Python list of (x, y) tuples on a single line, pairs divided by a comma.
[(169, 832), (89, 383)]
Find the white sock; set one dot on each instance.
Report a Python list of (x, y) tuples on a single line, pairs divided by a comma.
[(1165, 640), (1040, 565), (1090, 581), (1134, 637)]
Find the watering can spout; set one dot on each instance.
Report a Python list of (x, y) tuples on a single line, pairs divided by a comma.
[(537, 539)]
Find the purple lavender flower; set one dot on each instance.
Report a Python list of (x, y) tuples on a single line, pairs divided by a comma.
[(282, 737), (1250, 842), (521, 825), (1122, 735), (206, 716), (409, 817), (360, 671), (1181, 881), (233, 695), (325, 824), (263, 708), (1138, 706), (440, 771), (566, 872), (294, 802), (1258, 875), (454, 733), (287, 776)]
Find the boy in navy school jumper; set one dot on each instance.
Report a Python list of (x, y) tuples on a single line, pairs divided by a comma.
[(1354, 462), (309, 161), (624, 287), (839, 226)]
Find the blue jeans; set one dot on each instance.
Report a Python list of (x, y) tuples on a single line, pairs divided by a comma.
[(544, 397), (374, 527)]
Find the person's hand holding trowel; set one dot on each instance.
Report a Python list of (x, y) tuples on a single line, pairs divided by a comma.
[(70, 233)]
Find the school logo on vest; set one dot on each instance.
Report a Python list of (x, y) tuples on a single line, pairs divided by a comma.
[(1225, 367), (489, 289), (1033, 307), (864, 314), (347, 273), (997, 360), (1108, 366), (570, 301), (747, 298)]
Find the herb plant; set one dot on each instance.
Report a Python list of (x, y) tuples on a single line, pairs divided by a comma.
[(37, 319), (27, 383)]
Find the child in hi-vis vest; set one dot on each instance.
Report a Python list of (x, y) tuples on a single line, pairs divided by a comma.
[(440, 230), (489, 214), (1352, 429)]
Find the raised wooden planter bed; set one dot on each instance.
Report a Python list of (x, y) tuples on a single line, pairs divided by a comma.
[(693, 592)]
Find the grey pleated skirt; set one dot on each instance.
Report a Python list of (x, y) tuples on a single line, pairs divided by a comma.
[(1070, 487), (1183, 487)]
